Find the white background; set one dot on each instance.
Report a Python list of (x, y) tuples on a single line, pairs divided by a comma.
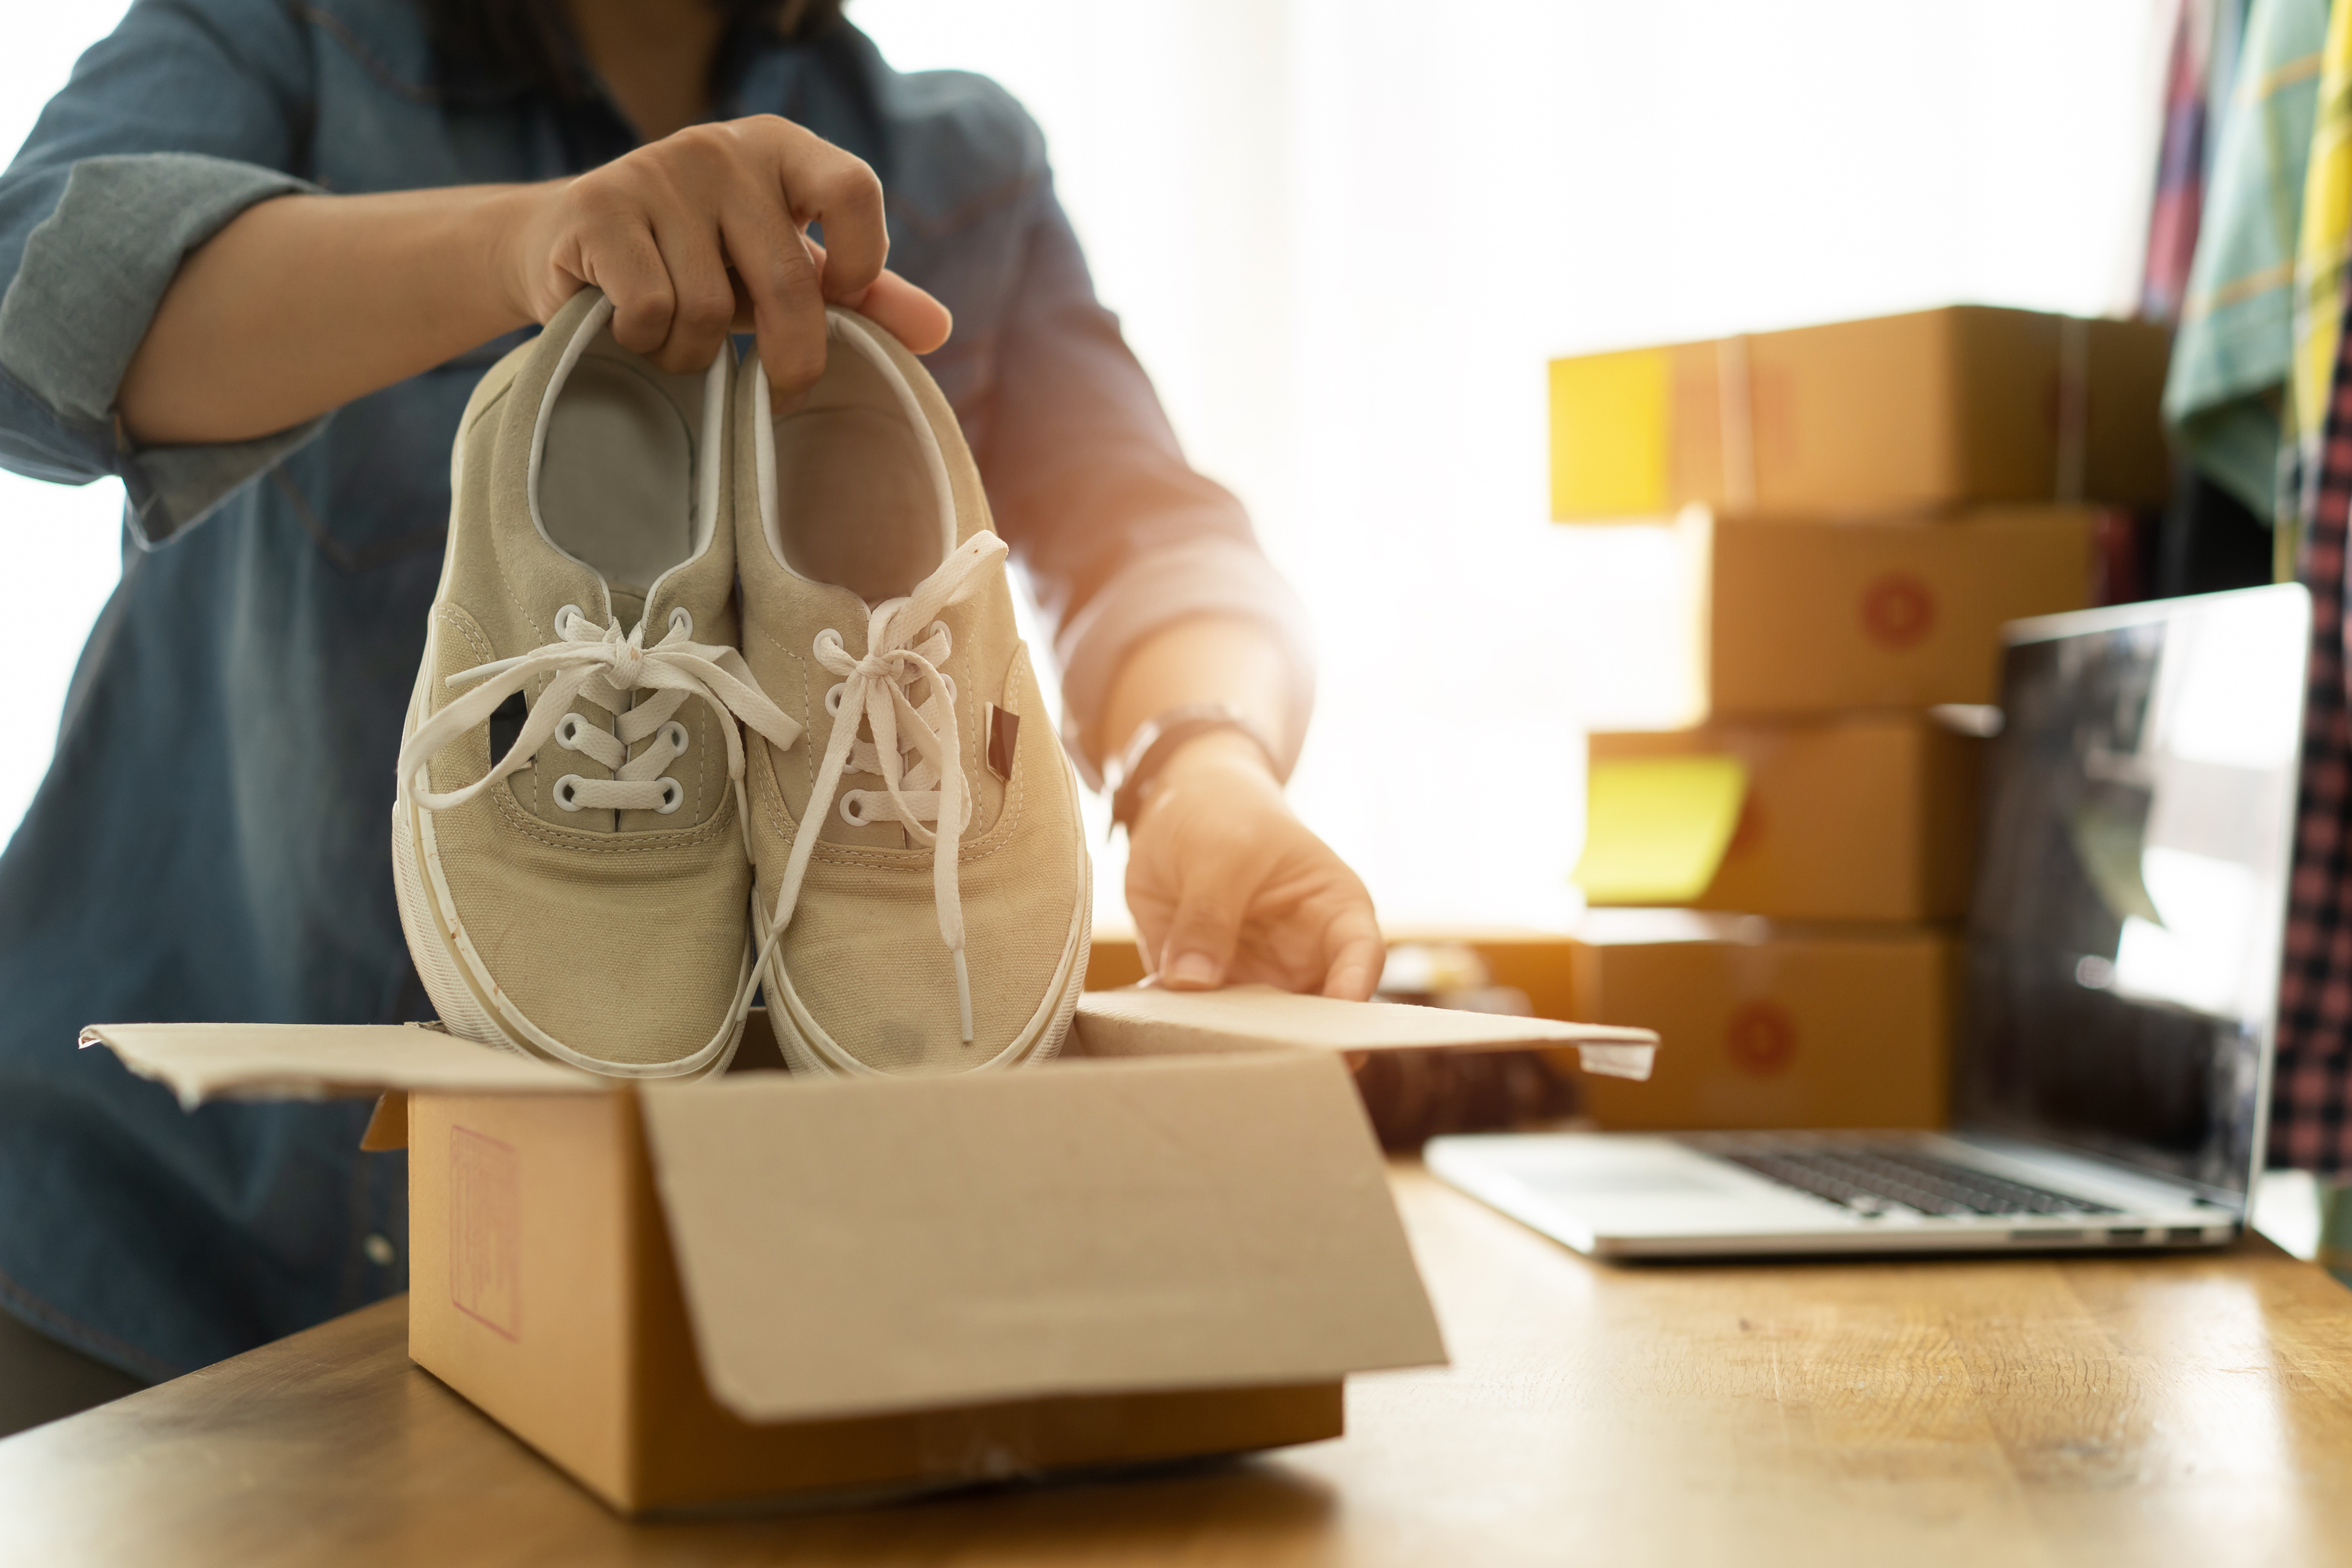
[(1345, 235)]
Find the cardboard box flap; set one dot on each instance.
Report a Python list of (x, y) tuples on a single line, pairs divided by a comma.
[(856, 1247), (1148, 1021), (200, 1062)]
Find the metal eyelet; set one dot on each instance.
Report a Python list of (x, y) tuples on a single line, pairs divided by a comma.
[(681, 621), (673, 796), (567, 791), (832, 698), (675, 733), (572, 611), (856, 798), (567, 731)]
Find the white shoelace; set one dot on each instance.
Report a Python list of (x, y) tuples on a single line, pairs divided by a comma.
[(601, 666), (918, 794), (904, 642)]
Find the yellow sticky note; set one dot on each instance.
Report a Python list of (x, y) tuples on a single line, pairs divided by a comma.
[(1656, 827), (1609, 432)]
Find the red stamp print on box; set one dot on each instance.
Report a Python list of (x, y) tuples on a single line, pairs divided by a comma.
[(485, 1231), (1897, 610), (1762, 1038)]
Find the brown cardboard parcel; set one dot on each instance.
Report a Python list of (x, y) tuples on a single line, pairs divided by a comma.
[(694, 1295), (1865, 816), (1936, 408), (1774, 1025), (1810, 617)]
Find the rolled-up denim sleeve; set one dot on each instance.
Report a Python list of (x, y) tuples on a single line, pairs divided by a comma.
[(189, 113), (1120, 538)]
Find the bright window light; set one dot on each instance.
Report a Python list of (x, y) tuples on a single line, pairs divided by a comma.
[(1345, 235), (2228, 706)]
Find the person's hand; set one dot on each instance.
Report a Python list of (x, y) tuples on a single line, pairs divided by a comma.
[(1228, 887), (701, 233)]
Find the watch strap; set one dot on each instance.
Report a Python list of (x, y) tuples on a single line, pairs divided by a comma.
[(1129, 775)]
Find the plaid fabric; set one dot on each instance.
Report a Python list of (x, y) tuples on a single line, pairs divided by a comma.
[(2230, 360), (2180, 172), (2311, 1105), (2319, 264)]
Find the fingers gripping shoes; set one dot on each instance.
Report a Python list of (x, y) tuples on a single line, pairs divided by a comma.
[(922, 879), (581, 896)]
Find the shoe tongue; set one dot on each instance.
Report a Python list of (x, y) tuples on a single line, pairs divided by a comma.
[(628, 607)]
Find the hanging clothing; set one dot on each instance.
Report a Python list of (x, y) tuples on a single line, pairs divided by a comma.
[(2201, 59), (2225, 43), (2180, 159), (2320, 256), (2228, 384), (2311, 1102)]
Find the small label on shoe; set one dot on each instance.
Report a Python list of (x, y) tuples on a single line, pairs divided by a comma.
[(1003, 732)]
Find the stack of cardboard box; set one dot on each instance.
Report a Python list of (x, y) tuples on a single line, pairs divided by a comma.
[(1871, 501)]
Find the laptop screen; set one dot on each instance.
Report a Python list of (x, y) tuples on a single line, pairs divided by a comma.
[(2124, 942)]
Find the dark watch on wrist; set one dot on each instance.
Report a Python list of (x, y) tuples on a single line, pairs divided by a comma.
[(1130, 775)]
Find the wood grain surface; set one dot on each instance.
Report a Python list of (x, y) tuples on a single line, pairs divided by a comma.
[(2175, 1409)]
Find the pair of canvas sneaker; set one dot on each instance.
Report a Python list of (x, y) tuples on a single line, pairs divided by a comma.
[(629, 797)]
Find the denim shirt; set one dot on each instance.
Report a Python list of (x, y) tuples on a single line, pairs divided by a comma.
[(210, 840)]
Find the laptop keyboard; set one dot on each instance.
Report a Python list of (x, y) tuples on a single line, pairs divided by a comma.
[(1872, 1179)]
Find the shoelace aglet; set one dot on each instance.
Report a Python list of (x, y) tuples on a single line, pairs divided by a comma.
[(963, 991)]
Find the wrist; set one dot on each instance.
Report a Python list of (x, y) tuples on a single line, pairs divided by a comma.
[(505, 225), (1223, 759), (1219, 751), (1136, 772)]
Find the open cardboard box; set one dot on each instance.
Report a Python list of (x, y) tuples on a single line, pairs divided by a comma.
[(1178, 1241)]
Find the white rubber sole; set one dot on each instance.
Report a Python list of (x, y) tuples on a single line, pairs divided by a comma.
[(808, 1049)]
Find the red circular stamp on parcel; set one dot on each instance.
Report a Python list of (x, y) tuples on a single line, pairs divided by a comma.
[(1897, 610), (1762, 1038)]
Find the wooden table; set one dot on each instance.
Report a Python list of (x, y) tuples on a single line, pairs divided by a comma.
[(2182, 1409)]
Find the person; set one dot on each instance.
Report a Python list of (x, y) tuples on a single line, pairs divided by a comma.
[(256, 254)]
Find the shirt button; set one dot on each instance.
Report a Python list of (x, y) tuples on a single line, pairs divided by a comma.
[(379, 1250)]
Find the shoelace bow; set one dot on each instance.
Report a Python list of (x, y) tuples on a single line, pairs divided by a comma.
[(603, 666), (918, 796), (904, 643)]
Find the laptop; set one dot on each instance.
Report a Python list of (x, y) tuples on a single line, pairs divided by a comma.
[(2111, 1072)]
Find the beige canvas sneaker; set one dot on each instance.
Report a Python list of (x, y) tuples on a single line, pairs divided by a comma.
[(568, 839), (923, 891)]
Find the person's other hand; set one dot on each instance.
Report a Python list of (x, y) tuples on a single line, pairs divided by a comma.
[(701, 233), (1228, 887)]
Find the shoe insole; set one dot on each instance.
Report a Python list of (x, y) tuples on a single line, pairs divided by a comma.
[(854, 505), (617, 477)]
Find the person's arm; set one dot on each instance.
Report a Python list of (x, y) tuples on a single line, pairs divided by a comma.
[(177, 305), (1162, 599), (1226, 885), (303, 303), (186, 115)]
